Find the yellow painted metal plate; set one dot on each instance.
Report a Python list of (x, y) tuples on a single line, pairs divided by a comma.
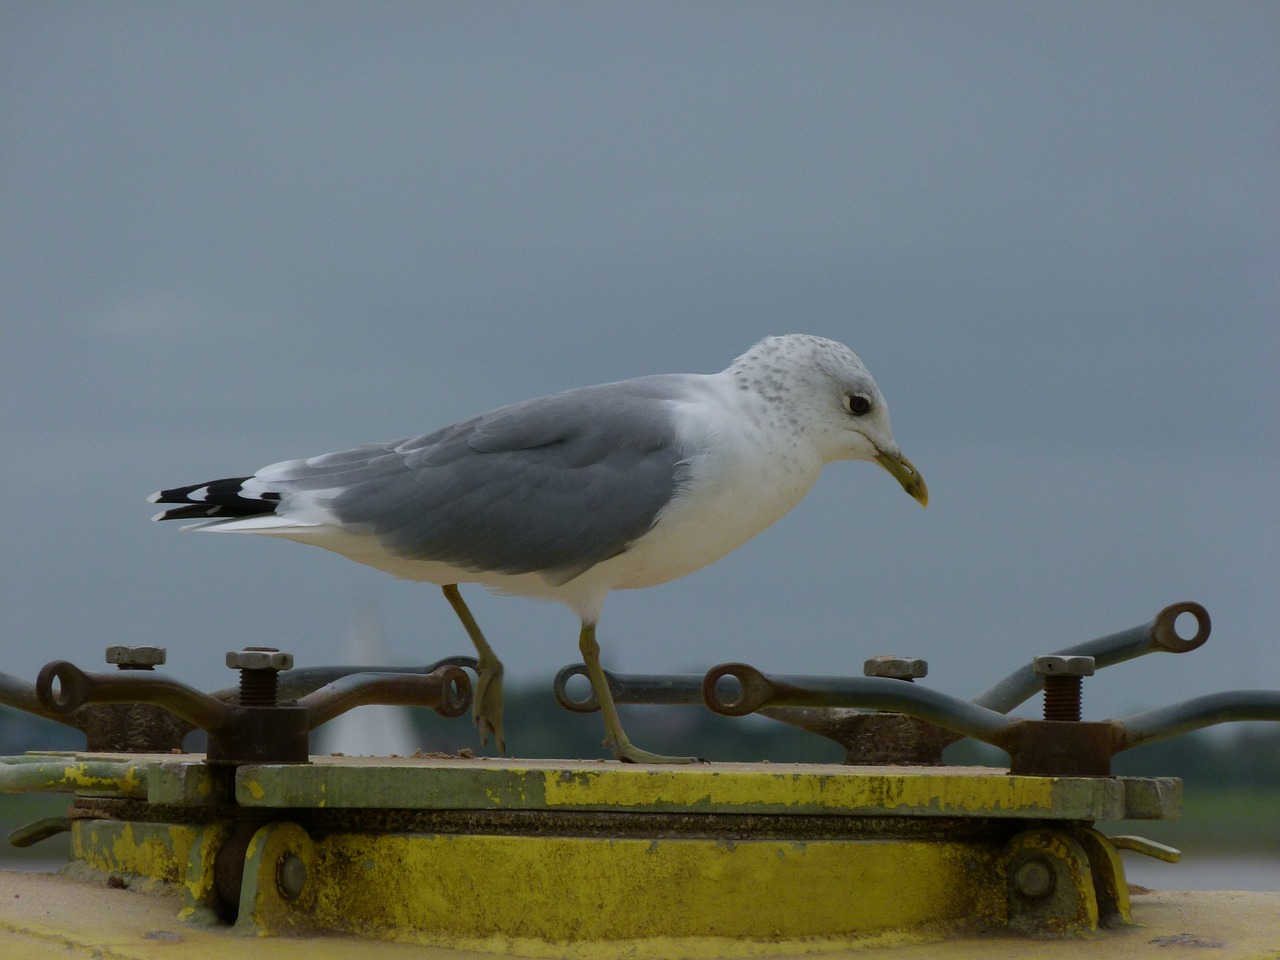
[(557, 785), (427, 783)]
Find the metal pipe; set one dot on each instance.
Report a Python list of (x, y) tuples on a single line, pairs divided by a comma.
[(1165, 722), (1160, 635), (447, 690), (635, 688), (869, 693), (21, 695), (43, 829), (298, 682), (95, 778)]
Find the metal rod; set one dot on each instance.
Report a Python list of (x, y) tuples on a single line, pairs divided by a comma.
[(300, 681), (447, 690), (43, 829), (21, 695), (634, 688), (1160, 635), (869, 693), (96, 778), (1165, 722)]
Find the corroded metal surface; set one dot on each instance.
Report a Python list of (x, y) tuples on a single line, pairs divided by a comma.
[(550, 851), (734, 788)]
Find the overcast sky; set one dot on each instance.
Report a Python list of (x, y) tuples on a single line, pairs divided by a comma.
[(232, 233)]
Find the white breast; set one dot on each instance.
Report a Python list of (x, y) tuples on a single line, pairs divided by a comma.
[(752, 470)]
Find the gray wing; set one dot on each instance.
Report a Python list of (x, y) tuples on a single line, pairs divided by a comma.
[(554, 485)]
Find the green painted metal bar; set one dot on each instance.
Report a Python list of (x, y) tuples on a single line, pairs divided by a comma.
[(98, 778)]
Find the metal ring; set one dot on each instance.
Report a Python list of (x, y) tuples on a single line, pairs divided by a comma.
[(588, 704), (455, 696), (741, 704), (70, 690), (1164, 630)]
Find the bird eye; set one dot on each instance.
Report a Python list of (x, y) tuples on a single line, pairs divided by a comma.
[(857, 404)]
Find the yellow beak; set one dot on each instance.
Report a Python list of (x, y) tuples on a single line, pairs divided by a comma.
[(905, 473)]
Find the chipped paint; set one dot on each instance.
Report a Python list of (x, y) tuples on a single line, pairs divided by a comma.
[(930, 792)]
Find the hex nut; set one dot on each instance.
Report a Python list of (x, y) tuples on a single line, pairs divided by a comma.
[(260, 658), (895, 668), (136, 657), (1063, 666)]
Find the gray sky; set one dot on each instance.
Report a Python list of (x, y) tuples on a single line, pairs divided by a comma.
[(235, 233)]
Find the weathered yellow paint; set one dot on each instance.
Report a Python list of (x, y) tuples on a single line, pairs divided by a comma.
[(700, 790), (490, 892), (448, 784), (263, 908), (123, 779), (1071, 906), (198, 882), (177, 856), (1149, 848), (683, 893), (1107, 871), (91, 777), (154, 851)]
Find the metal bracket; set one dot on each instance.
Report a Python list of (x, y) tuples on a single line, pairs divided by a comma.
[(256, 733)]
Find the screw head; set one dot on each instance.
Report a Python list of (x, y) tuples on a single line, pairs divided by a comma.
[(291, 876), (259, 658), (895, 668), (136, 658), (1034, 879), (1063, 666)]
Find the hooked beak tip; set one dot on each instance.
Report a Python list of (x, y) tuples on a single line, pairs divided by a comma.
[(905, 472)]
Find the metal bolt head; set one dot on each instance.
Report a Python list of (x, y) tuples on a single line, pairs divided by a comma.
[(259, 658), (1034, 879), (895, 668), (291, 876), (136, 658), (1063, 666)]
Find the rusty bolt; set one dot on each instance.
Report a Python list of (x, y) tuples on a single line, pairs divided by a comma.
[(1034, 879), (1063, 685), (895, 668), (291, 876), (259, 666), (136, 658)]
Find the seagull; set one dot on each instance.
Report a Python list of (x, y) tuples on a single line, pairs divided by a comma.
[(611, 487)]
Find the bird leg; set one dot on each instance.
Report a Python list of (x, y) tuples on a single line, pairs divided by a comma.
[(614, 736), (487, 704)]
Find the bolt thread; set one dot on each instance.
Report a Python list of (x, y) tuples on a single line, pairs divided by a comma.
[(1062, 698), (259, 688)]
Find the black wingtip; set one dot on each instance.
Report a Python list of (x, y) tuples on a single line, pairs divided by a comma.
[(214, 499)]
